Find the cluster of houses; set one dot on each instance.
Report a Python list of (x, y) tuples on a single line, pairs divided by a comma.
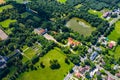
[(109, 13), (107, 43)]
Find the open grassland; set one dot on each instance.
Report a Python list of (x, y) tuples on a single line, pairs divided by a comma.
[(5, 7), (47, 73), (6, 23), (115, 34), (80, 26)]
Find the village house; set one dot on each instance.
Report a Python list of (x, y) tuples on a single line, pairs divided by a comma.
[(40, 31), (94, 55), (111, 44), (72, 42), (2, 62), (3, 35)]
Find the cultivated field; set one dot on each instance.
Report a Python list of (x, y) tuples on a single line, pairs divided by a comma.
[(47, 73), (80, 26)]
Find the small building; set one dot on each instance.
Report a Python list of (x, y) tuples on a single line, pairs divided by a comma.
[(111, 44), (105, 15), (40, 31), (3, 35), (73, 43), (118, 74), (93, 72), (94, 55), (78, 75), (2, 62), (109, 78)]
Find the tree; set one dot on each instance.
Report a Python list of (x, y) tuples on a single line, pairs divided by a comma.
[(42, 65), (54, 64), (118, 41)]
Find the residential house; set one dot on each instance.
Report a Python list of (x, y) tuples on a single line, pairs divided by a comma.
[(93, 72), (118, 74), (111, 44), (94, 55), (72, 42), (40, 31), (2, 62)]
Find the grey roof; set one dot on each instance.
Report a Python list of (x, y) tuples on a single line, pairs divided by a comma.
[(94, 55)]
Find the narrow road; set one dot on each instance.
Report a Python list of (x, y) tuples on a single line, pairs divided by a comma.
[(107, 72)]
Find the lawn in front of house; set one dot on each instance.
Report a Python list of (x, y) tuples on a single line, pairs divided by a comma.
[(47, 73), (6, 23), (115, 34)]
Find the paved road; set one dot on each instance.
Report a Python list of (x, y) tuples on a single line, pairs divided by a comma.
[(107, 72)]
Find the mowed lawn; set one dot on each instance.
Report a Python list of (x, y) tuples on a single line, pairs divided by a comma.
[(6, 23), (47, 73), (94, 12), (80, 26), (117, 52), (115, 34), (5, 7), (62, 1)]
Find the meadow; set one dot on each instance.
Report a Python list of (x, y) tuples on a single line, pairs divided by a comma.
[(115, 34), (47, 73), (80, 26)]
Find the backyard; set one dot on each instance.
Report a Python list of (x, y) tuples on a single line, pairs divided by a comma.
[(80, 26), (47, 73)]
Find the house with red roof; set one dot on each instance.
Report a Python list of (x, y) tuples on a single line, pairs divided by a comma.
[(72, 42), (111, 44), (40, 31)]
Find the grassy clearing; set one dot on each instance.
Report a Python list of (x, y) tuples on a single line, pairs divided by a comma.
[(62, 1), (5, 7), (80, 26), (94, 12), (115, 34), (78, 6), (18, 1), (47, 73), (25, 14), (6, 23)]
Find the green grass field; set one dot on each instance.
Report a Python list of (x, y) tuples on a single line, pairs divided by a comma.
[(80, 26), (117, 52), (94, 12), (62, 1), (6, 23), (47, 73), (115, 34), (18, 1), (5, 7)]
